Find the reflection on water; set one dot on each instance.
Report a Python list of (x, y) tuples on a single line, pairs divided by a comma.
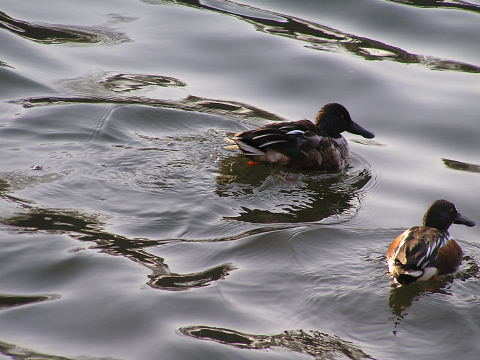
[(321, 37), (4, 64), (266, 194), (15, 352), (59, 34), (121, 83), (445, 4), (463, 166), (176, 282), (469, 271), (4, 188), (116, 89), (403, 297), (88, 229), (313, 343), (9, 301), (164, 179)]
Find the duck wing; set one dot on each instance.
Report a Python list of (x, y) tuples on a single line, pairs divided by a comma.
[(288, 138), (420, 246)]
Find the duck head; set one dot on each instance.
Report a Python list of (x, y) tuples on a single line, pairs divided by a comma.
[(442, 213), (334, 119)]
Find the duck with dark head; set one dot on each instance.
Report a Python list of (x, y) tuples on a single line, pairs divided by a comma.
[(422, 252), (303, 144)]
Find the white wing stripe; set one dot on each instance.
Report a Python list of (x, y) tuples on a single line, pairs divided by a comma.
[(296, 132), (272, 142), (262, 136), (249, 150)]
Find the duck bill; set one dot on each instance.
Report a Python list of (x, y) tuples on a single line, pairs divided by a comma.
[(354, 128), (461, 219)]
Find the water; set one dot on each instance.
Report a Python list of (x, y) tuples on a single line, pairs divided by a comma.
[(137, 235)]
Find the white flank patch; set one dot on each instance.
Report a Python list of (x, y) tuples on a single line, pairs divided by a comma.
[(415, 273), (428, 273)]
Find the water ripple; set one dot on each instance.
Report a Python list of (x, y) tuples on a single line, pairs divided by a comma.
[(15, 352), (60, 34), (462, 166), (86, 228), (321, 37), (270, 195), (189, 103), (313, 343), (441, 4), (9, 301)]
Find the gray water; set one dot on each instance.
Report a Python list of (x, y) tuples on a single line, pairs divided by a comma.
[(128, 231)]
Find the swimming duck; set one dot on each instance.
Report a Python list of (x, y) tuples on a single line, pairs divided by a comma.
[(303, 144), (422, 252)]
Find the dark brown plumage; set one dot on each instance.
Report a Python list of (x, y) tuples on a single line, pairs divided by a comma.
[(303, 144)]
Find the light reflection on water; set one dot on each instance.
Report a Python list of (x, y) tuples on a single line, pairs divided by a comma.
[(140, 229)]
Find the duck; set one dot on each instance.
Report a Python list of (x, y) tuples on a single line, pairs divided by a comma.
[(303, 144), (423, 252)]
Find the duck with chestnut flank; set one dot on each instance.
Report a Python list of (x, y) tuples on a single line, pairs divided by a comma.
[(422, 252), (303, 144)]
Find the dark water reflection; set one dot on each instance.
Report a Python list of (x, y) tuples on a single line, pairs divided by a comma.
[(190, 103), (402, 298), (265, 194), (59, 34), (445, 4), (138, 222), (106, 88), (9, 300), (313, 343), (122, 83), (88, 229), (16, 352), (462, 166), (322, 37)]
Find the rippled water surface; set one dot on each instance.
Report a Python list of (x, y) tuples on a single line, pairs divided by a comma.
[(128, 230)]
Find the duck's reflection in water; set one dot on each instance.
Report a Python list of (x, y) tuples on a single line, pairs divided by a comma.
[(313, 343), (267, 194), (403, 297)]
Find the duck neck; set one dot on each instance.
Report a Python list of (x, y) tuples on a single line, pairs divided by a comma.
[(434, 222)]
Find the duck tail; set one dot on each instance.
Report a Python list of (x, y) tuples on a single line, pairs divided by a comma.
[(229, 138), (235, 142), (248, 150)]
